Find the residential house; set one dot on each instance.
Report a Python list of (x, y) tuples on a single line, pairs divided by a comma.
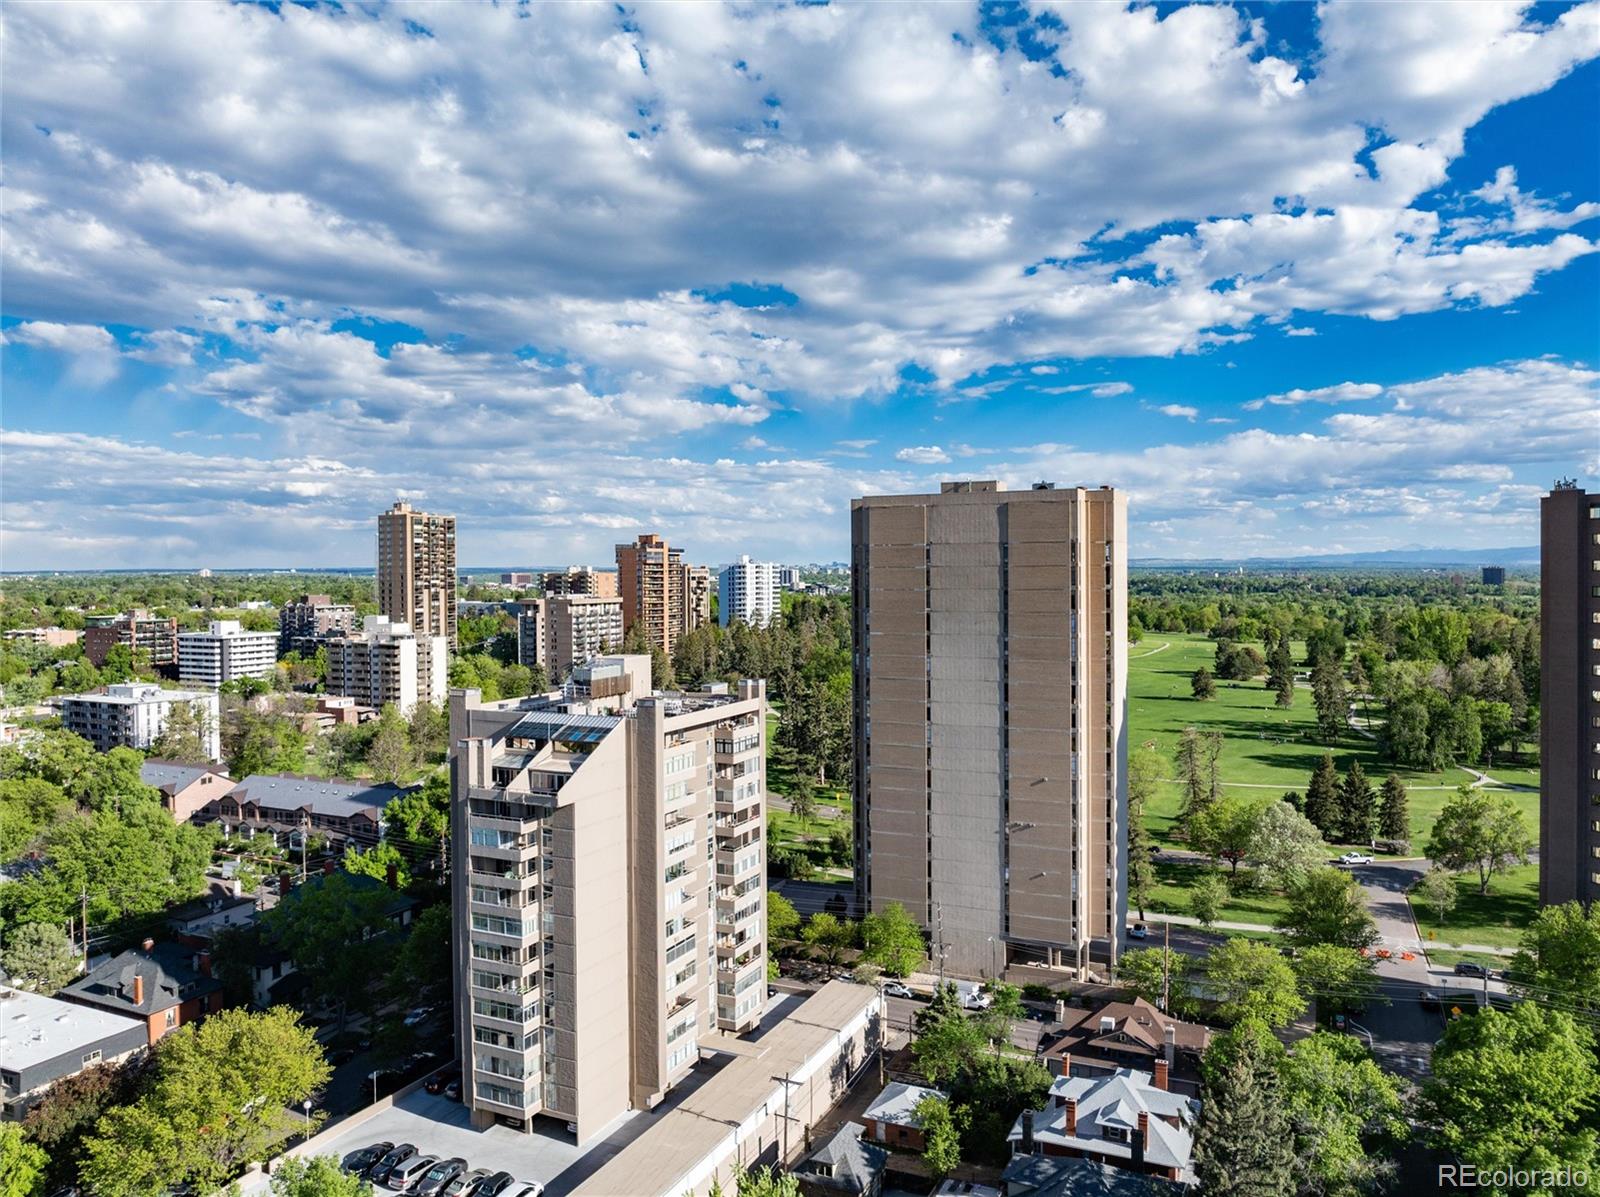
[(165, 985), (1067, 1176), (196, 923), (290, 805), (844, 1163), (892, 1118), (43, 1039), (1128, 1119), (1127, 1035), (185, 788)]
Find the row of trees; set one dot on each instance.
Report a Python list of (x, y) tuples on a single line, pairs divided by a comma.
[(888, 940)]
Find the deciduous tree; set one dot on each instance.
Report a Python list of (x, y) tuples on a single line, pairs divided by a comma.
[(1203, 684), (1144, 776), (39, 957), (1208, 896), (1252, 980), (1345, 1113), (316, 1176), (1479, 830), (1285, 845), (1329, 906), (1336, 979), (891, 939), (941, 1134), (22, 1163), (1159, 975), (1560, 957), (783, 920)]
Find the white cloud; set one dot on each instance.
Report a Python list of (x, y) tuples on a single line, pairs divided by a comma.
[(922, 455), (1342, 392), (1179, 410)]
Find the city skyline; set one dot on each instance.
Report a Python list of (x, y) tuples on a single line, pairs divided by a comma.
[(773, 261)]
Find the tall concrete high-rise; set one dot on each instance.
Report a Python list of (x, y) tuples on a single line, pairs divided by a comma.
[(610, 914), (560, 631), (990, 719), (749, 592), (417, 570), (386, 662), (1569, 696), (580, 579), (659, 593)]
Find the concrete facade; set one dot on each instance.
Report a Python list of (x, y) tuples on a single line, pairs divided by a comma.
[(138, 629), (990, 719), (748, 592), (225, 652), (612, 910), (580, 579), (1569, 697), (134, 714), (309, 620), (561, 631), (387, 662), (659, 593), (417, 570)]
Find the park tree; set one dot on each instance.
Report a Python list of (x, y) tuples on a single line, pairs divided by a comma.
[(22, 1163), (1285, 845), (1336, 979), (1406, 732), (1560, 957), (1237, 662), (390, 754), (316, 1176), (1331, 700), (1344, 1111), (1515, 1091), (831, 936), (1322, 797), (1482, 831), (29, 807), (1357, 806), (1225, 829), (783, 920), (941, 1134), (1203, 684), (1436, 889), (1207, 897), (1252, 980), (1394, 812), (1197, 759), (183, 736), (1330, 907), (1144, 778), (40, 958), (1242, 1143), (1159, 975), (891, 939), (803, 797), (219, 1097)]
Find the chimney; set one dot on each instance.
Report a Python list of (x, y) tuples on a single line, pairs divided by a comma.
[(1026, 1146), (1061, 1010), (1066, 1064), (1161, 1074), (1141, 1137), (1107, 1024), (138, 989), (1171, 1042), (148, 943), (392, 876), (203, 962), (285, 884), (327, 867), (1072, 1115)]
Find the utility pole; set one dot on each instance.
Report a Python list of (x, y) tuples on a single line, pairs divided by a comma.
[(938, 923), (84, 898), (305, 837), (1166, 968)]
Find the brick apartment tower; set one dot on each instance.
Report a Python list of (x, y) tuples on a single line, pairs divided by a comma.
[(990, 719), (1569, 696), (659, 592), (417, 570)]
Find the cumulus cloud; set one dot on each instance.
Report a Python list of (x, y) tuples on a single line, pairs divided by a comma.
[(1342, 392), (922, 455), (1180, 410)]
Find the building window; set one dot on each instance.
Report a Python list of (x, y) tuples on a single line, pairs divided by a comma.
[(172, 1016), (92, 1058)]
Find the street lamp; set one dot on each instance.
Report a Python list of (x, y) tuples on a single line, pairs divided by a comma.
[(306, 1104)]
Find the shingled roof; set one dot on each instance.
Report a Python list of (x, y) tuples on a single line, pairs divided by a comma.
[(169, 979)]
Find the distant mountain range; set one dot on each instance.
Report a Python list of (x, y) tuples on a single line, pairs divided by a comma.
[(1523, 557)]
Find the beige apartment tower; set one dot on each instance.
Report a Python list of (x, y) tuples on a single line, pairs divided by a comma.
[(990, 719), (659, 592), (580, 579), (417, 570), (1569, 696), (610, 917)]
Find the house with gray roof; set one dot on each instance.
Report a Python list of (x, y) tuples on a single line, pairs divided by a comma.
[(185, 789), (43, 1039), (1068, 1176), (290, 804), (892, 1117), (845, 1163), (1124, 1119), (164, 985)]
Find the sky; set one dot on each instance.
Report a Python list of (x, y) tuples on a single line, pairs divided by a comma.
[(1299, 279)]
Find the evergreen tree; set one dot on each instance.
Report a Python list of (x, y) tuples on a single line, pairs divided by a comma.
[(1331, 699), (1322, 797), (1357, 806), (1242, 1145), (1196, 759), (1144, 774), (1203, 684), (1280, 668), (1395, 820)]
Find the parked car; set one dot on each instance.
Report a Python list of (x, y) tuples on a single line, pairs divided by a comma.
[(898, 989), (1471, 968), (1139, 931), (362, 1160), (415, 1018), (435, 1178), (340, 1055), (531, 1188), (1431, 1000), (395, 1156), (452, 1088), (495, 1186), (466, 1183), (1355, 858), (409, 1170), (437, 1081)]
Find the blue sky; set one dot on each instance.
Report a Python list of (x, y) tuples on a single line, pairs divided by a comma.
[(1299, 278)]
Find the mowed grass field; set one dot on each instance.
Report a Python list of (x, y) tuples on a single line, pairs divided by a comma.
[(1495, 919), (1266, 750)]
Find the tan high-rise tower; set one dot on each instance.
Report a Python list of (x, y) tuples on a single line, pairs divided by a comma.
[(417, 570), (990, 726), (659, 592)]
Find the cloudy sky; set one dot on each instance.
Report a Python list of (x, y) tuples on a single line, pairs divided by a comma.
[(1299, 279)]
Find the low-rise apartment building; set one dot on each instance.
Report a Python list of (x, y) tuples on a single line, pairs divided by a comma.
[(309, 620), (288, 804), (134, 714), (566, 630), (185, 789), (388, 662), (44, 1040), (46, 637), (225, 652), (138, 629), (612, 908)]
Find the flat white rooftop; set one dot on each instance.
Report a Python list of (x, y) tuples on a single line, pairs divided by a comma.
[(34, 1028)]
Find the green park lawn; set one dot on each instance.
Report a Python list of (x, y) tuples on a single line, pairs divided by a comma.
[(1265, 751), (1170, 895), (1494, 920)]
